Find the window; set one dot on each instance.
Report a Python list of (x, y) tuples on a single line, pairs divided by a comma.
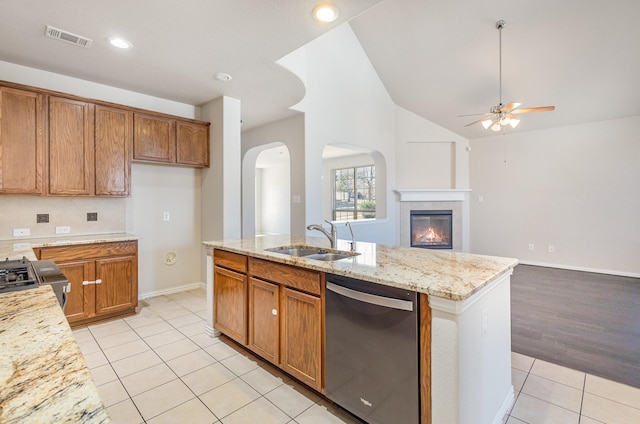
[(354, 193)]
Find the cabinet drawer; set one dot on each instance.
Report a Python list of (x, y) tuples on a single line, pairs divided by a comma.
[(230, 260), (290, 276), (88, 251)]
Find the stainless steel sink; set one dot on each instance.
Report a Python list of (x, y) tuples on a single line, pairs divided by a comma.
[(331, 256), (312, 252)]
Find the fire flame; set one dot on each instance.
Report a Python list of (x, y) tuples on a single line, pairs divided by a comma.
[(430, 236)]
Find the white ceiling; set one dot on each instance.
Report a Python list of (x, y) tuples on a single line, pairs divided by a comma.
[(438, 59)]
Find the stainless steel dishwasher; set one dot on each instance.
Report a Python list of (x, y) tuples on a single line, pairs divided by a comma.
[(372, 350)]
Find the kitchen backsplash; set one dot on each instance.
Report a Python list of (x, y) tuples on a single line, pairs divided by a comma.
[(19, 211)]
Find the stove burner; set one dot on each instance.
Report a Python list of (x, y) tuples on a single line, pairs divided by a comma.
[(16, 274)]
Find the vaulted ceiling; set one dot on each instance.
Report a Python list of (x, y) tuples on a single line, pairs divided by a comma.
[(437, 59)]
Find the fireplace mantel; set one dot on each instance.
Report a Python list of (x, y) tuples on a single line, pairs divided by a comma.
[(433, 195)]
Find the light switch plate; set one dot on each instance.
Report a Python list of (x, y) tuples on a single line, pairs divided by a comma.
[(21, 232), (63, 230)]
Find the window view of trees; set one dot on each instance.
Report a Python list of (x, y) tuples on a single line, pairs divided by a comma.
[(354, 192)]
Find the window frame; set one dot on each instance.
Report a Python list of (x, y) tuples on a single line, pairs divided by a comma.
[(354, 211)]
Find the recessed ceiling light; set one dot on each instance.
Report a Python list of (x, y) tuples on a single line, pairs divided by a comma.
[(325, 13), (222, 76), (120, 43)]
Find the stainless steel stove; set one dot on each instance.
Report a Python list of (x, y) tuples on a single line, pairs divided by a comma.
[(23, 274)]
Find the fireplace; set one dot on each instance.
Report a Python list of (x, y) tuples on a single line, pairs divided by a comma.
[(431, 229)]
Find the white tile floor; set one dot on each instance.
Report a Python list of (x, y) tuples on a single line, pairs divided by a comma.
[(160, 367)]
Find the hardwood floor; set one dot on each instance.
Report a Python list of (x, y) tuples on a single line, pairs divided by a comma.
[(581, 320)]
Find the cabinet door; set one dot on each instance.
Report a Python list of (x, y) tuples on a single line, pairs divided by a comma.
[(71, 147), (21, 141), (116, 284), (230, 303), (80, 299), (301, 336), (113, 142), (192, 144), (264, 319), (154, 138)]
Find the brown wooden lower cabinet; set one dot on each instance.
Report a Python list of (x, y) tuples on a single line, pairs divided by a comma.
[(264, 320), (230, 311), (103, 279), (301, 336), (276, 311)]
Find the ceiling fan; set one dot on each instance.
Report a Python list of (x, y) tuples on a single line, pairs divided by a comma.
[(501, 115)]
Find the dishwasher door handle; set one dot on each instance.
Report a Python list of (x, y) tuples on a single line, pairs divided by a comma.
[(373, 299)]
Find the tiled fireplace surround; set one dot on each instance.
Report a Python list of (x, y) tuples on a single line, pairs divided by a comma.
[(456, 200)]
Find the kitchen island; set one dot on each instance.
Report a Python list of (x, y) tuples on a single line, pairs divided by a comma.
[(465, 329), (43, 376)]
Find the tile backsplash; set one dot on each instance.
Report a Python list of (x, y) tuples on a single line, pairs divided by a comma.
[(20, 211)]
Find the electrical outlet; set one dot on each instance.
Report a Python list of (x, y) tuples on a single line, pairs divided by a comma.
[(166, 216), (21, 232), (532, 247), (551, 249), (92, 216), (42, 218), (63, 230)]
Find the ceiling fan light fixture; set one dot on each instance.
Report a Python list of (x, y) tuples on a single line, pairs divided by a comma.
[(487, 123), (514, 122), (496, 126)]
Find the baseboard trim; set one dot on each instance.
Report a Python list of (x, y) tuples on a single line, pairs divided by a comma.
[(173, 290), (505, 408), (584, 269)]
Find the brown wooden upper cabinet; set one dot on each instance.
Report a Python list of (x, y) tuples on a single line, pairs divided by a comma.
[(58, 144), (172, 141), (71, 150), (113, 144), (89, 149), (21, 141)]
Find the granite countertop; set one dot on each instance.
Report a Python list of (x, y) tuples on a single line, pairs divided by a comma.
[(445, 274), (43, 376), (17, 248)]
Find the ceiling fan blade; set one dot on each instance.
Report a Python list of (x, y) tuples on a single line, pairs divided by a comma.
[(476, 114), (534, 109), (475, 122), (510, 106)]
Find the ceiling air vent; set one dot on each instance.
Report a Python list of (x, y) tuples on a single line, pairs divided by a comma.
[(69, 37)]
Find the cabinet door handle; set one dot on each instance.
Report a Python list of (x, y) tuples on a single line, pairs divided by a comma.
[(98, 281), (86, 283), (274, 312)]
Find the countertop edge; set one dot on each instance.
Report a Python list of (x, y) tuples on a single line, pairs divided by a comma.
[(384, 273), (17, 248)]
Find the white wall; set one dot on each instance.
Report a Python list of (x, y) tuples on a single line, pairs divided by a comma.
[(345, 104), (274, 210), (471, 365), (290, 132), (576, 188), (160, 189), (429, 156), (154, 189)]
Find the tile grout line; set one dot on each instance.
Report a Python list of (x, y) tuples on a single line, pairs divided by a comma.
[(144, 421)]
